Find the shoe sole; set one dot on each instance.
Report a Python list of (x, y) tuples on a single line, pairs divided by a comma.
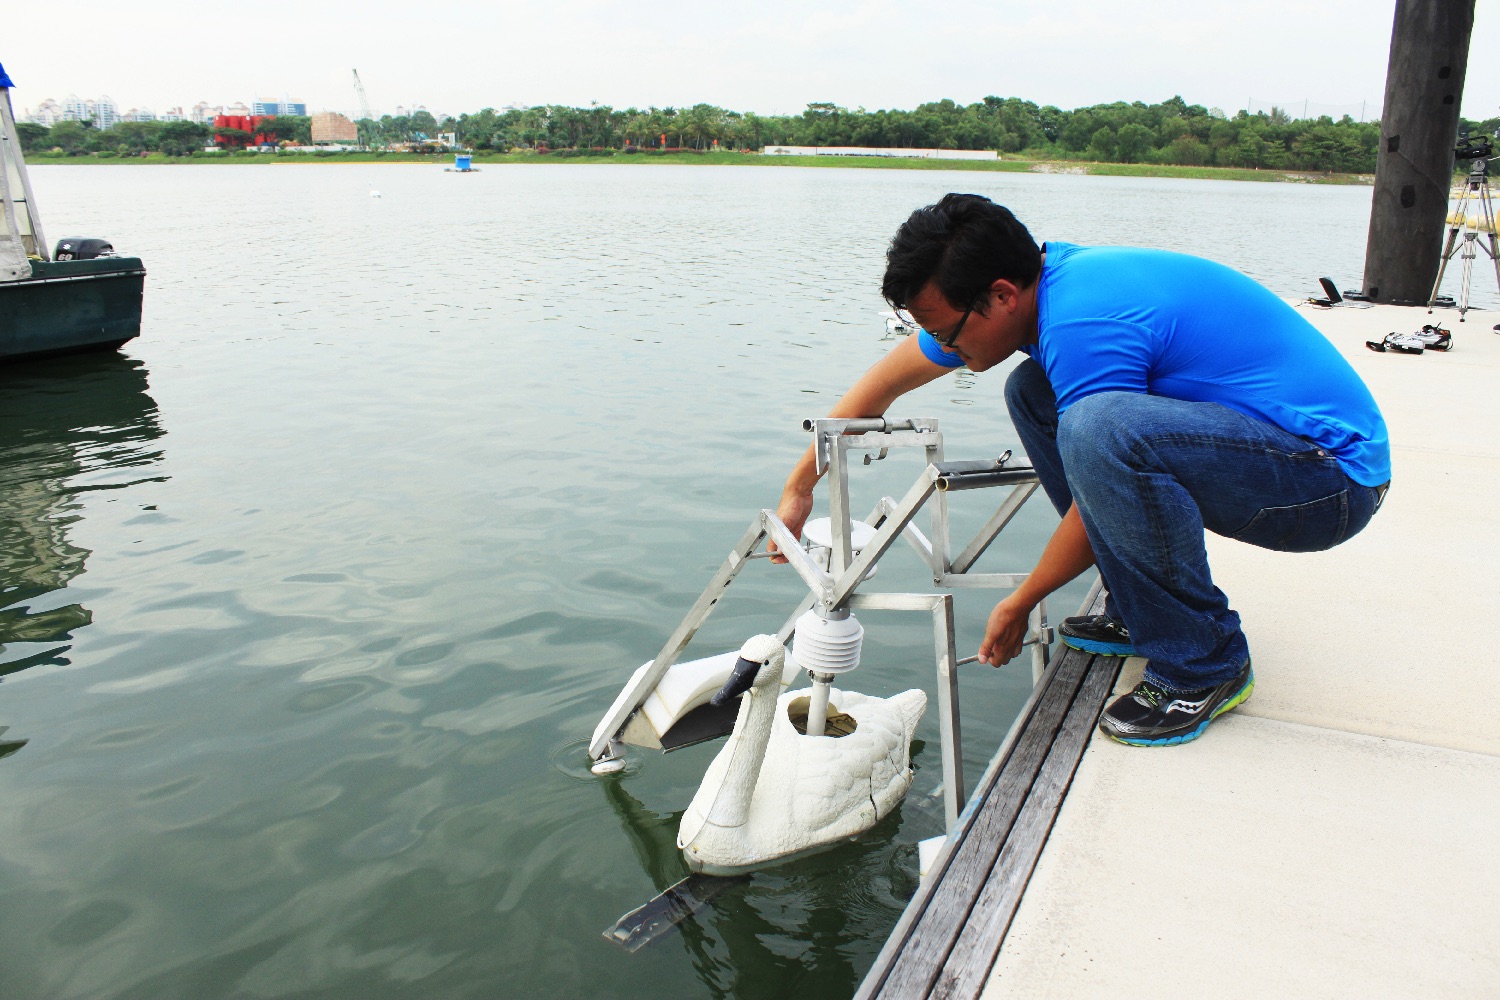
[(1098, 646), (1187, 737)]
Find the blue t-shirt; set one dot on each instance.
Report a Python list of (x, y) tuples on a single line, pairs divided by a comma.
[(1119, 319)]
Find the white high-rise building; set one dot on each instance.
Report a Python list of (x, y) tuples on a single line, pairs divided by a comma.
[(48, 113), (106, 114), (172, 115), (203, 113), (74, 109), (139, 115)]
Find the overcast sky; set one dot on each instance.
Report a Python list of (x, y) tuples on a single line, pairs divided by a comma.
[(769, 56)]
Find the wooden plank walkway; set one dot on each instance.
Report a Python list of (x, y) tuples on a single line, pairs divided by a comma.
[(946, 941)]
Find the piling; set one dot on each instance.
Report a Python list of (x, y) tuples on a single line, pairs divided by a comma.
[(1424, 86)]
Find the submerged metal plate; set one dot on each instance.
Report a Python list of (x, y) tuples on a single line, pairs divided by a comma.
[(643, 925)]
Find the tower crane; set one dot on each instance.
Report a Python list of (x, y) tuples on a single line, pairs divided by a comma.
[(364, 104)]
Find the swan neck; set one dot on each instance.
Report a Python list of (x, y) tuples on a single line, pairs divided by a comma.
[(752, 735)]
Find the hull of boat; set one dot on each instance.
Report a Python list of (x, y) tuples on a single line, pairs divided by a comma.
[(71, 305)]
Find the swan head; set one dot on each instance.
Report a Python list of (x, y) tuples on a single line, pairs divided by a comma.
[(757, 652)]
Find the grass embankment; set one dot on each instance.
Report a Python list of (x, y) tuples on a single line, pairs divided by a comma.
[(1006, 165)]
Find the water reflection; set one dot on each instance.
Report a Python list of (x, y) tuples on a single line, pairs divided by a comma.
[(800, 926), (68, 426)]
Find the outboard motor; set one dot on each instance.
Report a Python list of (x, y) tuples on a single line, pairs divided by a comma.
[(82, 248)]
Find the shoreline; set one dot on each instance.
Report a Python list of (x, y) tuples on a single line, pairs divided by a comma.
[(1073, 167)]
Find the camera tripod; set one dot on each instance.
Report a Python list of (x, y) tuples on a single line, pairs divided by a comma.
[(1475, 197)]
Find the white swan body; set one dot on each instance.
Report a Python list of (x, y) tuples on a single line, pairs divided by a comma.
[(773, 792)]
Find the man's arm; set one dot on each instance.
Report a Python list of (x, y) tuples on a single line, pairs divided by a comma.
[(902, 370), (1067, 554)]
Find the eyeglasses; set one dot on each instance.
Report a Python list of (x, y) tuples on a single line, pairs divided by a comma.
[(947, 342)]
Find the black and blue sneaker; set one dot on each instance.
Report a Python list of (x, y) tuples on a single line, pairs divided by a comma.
[(1150, 716), (1097, 634)]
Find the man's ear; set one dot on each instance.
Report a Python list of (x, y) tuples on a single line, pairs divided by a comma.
[(1007, 293)]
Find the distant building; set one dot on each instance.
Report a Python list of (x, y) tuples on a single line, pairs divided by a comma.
[(266, 109), (102, 112), (172, 115), (330, 126), (139, 115), (48, 113), (204, 113), (237, 110), (248, 124), (106, 114)]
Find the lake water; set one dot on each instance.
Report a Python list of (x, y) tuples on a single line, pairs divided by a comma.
[(313, 594)]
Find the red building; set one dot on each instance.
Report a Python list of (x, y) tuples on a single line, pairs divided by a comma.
[(245, 123)]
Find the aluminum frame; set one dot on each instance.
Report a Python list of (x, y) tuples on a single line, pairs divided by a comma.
[(836, 588)]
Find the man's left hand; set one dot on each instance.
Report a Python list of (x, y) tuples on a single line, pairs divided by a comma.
[(1005, 632)]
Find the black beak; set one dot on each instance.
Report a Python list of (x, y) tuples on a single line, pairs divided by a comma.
[(740, 681)]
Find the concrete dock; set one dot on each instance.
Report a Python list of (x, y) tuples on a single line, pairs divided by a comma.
[(1339, 834)]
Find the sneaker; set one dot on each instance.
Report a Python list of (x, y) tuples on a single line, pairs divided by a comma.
[(1152, 717), (1435, 338), (1097, 634)]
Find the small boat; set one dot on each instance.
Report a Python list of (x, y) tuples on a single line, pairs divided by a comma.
[(463, 163), (900, 323), (80, 297)]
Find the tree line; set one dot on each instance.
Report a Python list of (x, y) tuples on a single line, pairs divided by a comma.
[(1171, 132)]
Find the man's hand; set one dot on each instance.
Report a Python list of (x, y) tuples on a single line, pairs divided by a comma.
[(1005, 631), (793, 511)]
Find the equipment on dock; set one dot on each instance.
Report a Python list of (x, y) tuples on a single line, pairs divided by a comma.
[(1473, 213), (1429, 338), (664, 696)]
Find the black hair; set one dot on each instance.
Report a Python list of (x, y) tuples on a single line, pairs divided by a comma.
[(964, 243)]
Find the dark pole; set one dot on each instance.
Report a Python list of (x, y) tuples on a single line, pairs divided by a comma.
[(1414, 169)]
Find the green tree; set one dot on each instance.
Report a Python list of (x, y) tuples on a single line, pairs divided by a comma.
[(182, 138), (1102, 145), (33, 137), (72, 137), (1133, 142)]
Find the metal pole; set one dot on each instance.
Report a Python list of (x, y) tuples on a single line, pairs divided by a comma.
[(952, 734), (1414, 167)]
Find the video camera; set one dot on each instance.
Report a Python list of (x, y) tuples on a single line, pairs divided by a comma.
[(1473, 149)]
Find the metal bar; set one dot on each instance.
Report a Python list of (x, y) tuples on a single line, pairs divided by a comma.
[(875, 440), (861, 425), (952, 733), (992, 528), (1002, 581), (812, 574), (956, 481), (942, 546), (838, 507), (884, 537), (1042, 640), (895, 602), (681, 636)]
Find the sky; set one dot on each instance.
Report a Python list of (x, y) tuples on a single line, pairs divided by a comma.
[(769, 56)]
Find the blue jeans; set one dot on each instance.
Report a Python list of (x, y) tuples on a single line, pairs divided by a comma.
[(1149, 474)]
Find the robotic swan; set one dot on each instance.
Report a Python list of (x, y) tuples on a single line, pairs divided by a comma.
[(773, 792)]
